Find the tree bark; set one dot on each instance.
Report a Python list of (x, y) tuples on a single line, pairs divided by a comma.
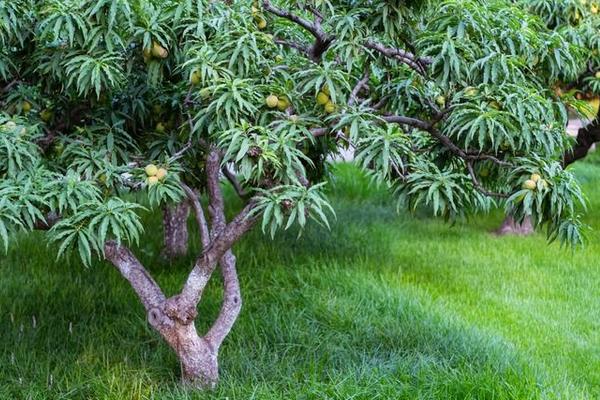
[(197, 355), (586, 137), (173, 318), (175, 230), (512, 227), (198, 358)]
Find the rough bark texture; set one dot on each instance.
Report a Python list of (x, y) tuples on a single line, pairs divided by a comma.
[(173, 318), (512, 227), (175, 230), (197, 355), (586, 137)]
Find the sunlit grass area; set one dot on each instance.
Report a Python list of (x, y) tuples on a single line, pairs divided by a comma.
[(382, 306)]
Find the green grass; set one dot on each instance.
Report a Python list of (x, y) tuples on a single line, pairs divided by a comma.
[(383, 306)]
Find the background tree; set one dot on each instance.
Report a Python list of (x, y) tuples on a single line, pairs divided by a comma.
[(113, 106), (578, 21)]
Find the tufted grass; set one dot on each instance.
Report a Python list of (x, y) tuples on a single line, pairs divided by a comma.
[(383, 306)]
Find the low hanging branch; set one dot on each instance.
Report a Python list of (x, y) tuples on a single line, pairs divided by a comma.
[(479, 186)]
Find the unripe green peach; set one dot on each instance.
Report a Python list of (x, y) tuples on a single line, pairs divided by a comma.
[(196, 77), (272, 101), (322, 98), (26, 106), (329, 107), (529, 185), (151, 170), (282, 104)]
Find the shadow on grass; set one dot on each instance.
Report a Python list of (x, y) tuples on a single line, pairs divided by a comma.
[(320, 320)]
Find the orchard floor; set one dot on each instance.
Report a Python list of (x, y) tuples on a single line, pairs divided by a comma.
[(383, 306)]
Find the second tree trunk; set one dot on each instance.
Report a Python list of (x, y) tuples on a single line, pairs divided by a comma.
[(511, 227), (175, 230)]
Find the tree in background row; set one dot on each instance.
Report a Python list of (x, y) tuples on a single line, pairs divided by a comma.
[(579, 22), (113, 106)]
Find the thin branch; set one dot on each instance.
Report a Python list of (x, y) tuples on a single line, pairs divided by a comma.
[(381, 103), (318, 16), (232, 302), (216, 206), (234, 182), (445, 140), (359, 85), (186, 103), (414, 122), (416, 63), (317, 132), (199, 213), (479, 186), (304, 49), (304, 23), (322, 39), (10, 85), (180, 153)]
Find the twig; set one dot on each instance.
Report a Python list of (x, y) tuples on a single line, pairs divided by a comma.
[(478, 185), (359, 85), (199, 213), (234, 182)]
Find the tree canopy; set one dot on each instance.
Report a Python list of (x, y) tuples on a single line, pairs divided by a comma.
[(111, 106), (444, 103)]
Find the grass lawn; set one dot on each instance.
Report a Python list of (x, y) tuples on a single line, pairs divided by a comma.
[(383, 306)]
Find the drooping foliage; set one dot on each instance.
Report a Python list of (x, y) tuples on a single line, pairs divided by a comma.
[(578, 21), (108, 105)]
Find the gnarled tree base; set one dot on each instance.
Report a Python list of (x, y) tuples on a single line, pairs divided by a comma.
[(198, 357)]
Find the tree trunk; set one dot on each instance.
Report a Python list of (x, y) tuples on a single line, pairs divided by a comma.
[(587, 136), (173, 318), (512, 227), (175, 230), (198, 359)]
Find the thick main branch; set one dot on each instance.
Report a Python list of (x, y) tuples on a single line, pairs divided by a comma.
[(132, 270), (322, 39), (586, 138), (207, 262), (232, 302)]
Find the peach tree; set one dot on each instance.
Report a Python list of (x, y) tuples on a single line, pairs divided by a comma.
[(579, 22), (110, 107)]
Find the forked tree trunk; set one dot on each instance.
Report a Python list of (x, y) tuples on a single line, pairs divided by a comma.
[(511, 227), (174, 317), (175, 230)]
